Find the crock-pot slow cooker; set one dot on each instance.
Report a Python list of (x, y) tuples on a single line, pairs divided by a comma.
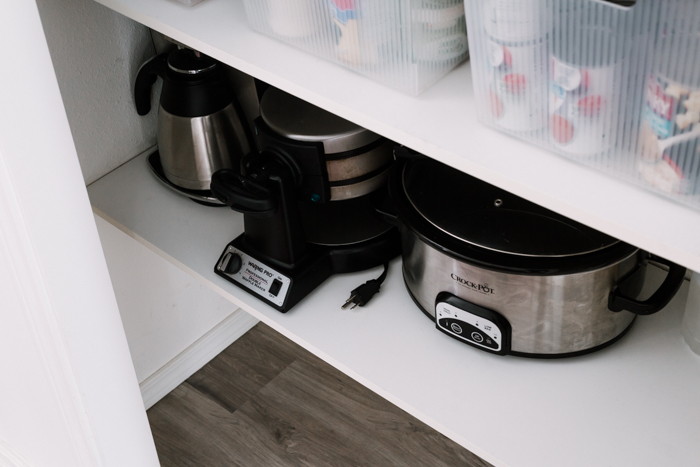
[(509, 277)]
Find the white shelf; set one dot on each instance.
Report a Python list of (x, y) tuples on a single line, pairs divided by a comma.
[(632, 404), (440, 123)]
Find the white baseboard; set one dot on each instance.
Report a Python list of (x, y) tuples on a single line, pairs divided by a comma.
[(194, 357)]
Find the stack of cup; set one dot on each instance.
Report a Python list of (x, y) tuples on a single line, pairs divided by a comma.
[(585, 71), (349, 46), (440, 32), (517, 56), (293, 18)]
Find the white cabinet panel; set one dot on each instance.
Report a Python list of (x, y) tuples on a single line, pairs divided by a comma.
[(56, 258), (164, 310)]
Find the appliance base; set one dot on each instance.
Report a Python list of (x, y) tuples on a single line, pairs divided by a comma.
[(203, 197), (534, 355), (283, 286)]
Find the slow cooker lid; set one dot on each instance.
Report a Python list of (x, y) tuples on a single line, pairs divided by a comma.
[(488, 217), (296, 119)]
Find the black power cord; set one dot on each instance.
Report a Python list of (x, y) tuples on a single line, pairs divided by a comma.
[(364, 293)]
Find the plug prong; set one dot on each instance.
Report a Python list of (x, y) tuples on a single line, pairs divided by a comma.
[(349, 302)]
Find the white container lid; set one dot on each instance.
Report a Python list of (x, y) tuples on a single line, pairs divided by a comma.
[(516, 20)]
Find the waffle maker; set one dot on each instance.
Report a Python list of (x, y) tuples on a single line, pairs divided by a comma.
[(308, 199)]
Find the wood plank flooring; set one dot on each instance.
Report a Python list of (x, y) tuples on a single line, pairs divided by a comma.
[(267, 402)]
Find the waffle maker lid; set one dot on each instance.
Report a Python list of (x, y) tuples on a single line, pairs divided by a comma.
[(298, 120)]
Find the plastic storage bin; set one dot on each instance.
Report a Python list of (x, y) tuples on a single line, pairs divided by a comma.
[(691, 317), (406, 44), (190, 2), (613, 85)]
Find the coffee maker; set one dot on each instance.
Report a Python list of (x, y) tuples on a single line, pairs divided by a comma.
[(309, 201), (200, 124)]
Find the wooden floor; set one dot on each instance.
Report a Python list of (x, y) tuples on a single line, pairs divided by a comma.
[(265, 401)]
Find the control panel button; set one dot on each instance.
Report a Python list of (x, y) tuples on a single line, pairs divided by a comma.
[(232, 263), (255, 276), (468, 332), (480, 327), (275, 287)]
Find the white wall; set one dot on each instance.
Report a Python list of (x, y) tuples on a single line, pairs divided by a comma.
[(164, 310), (96, 54), (174, 324)]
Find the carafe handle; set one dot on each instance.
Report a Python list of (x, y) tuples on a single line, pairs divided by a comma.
[(145, 79), (676, 274)]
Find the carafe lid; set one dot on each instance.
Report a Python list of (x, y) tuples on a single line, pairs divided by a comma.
[(298, 120), (190, 62), (485, 216)]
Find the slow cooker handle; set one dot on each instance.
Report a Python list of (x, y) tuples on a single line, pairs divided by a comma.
[(676, 274)]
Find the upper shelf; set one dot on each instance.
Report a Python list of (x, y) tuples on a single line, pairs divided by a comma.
[(440, 123)]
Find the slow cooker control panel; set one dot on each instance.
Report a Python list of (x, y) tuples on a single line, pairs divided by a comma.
[(475, 325)]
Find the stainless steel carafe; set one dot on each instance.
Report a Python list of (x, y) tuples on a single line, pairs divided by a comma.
[(199, 127)]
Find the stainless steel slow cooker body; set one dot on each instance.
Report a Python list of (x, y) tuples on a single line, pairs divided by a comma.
[(466, 262), (549, 315)]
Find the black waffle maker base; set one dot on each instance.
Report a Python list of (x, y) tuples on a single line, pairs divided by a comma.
[(282, 286)]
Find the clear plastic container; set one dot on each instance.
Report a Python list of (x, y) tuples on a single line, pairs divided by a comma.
[(611, 84), (691, 317), (190, 2), (406, 44)]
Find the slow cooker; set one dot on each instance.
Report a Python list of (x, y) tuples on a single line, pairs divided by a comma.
[(507, 276)]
